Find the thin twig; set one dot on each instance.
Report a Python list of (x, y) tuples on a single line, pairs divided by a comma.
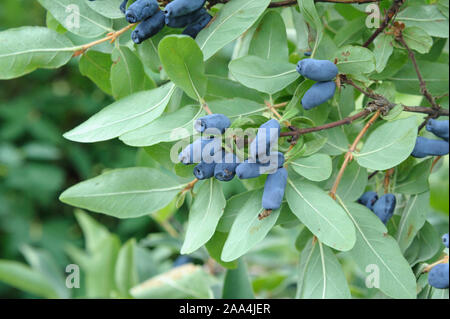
[(349, 154), (429, 267), (387, 179)]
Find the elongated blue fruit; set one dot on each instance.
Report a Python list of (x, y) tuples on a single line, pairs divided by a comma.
[(194, 29), (426, 147), (265, 139), (274, 189), (384, 207), (123, 6), (141, 10), (438, 276), (226, 169), (318, 94), (202, 150), (214, 121), (204, 170), (445, 240), (183, 21), (250, 169), (148, 28), (368, 199), (181, 7), (317, 70), (181, 260), (438, 128)]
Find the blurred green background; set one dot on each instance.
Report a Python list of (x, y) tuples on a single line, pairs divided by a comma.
[(37, 164)]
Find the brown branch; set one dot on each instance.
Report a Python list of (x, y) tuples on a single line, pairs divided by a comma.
[(387, 179), (390, 14), (344, 79), (426, 110), (349, 154)]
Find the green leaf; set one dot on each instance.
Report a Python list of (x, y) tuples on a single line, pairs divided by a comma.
[(237, 284), (417, 180), (182, 60), (38, 48), (270, 40), (425, 245), (309, 12), (126, 276), (375, 249), (124, 193), (336, 143), (232, 209), (355, 60), (321, 214), (320, 276), (127, 73), (389, 145), (77, 17), (123, 116), (204, 216), (232, 21), (383, 51), (97, 67), (315, 168), (223, 88), (417, 39), (413, 218), (247, 229), (426, 17), (182, 282), (353, 182), (168, 128), (215, 248), (107, 8), (237, 108), (262, 75), (24, 278)]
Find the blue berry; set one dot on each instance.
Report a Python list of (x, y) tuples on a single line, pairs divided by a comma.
[(123, 6), (225, 170), (384, 207), (317, 70), (274, 189), (445, 240), (181, 260), (148, 28), (425, 147), (214, 121), (438, 276), (250, 169), (308, 53), (202, 149), (265, 139), (368, 199), (438, 128), (194, 28), (204, 170), (181, 7), (318, 94), (183, 21), (141, 10)]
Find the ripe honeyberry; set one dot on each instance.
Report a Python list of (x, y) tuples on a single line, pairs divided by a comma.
[(274, 189), (250, 169), (438, 276), (194, 29), (368, 199), (265, 139), (226, 169), (182, 260), (317, 70), (181, 7), (318, 94), (213, 121), (148, 28), (445, 240), (183, 21), (384, 207), (141, 10), (426, 147), (438, 128), (204, 170), (123, 6), (202, 150)]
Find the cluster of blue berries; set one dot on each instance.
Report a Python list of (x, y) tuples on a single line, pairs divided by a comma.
[(188, 14), (383, 207), (322, 71), (425, 147), (438, 276), (213, 161)]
